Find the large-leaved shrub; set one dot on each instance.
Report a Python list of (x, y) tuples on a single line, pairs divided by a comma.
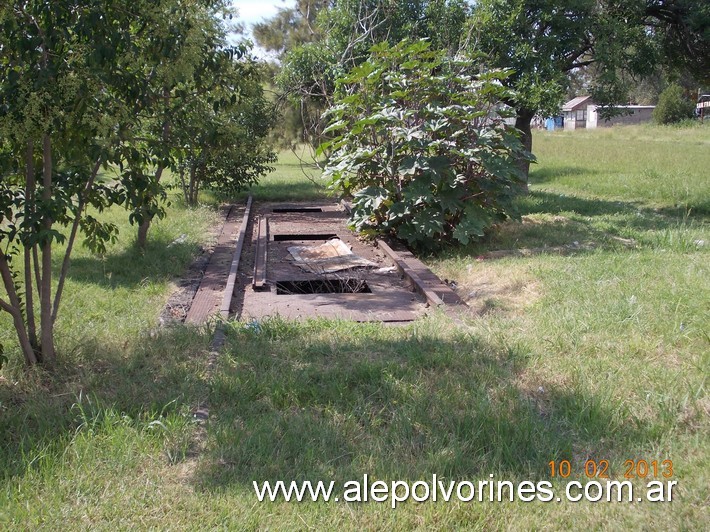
[(420, 144)]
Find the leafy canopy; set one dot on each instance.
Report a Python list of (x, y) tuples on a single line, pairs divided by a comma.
[(421, 145)]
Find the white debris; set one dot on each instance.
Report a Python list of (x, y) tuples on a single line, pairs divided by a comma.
[(179, 240)]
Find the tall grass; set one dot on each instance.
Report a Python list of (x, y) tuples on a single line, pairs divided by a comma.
[(658, 167), (601, 353)]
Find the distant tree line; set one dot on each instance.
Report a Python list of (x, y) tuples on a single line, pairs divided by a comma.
[(615, 50), (98, 101)]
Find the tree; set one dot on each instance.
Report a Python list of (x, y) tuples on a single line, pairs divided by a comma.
[(422, 147), (544, 41), (673, 106), (221, 132), (175, 61), (290, 27), (86, 86), (344, 34), (64, 112)]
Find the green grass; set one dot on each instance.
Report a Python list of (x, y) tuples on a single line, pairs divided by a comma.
[(120, 293), (600, 354), (296, 178), (654, 167)]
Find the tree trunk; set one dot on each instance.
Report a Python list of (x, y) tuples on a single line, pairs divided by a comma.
[(148, 217), (46, 321), (143, 232), (15, 310), (72, 238), (523, 120), (193, 190), (29, 285)]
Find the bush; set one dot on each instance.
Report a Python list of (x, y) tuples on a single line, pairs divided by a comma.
[(422, 147), (673, 106)]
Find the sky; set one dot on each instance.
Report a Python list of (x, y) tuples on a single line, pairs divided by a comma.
[(251, 11)]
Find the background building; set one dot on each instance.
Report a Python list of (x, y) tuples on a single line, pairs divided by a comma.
[(582, 112)]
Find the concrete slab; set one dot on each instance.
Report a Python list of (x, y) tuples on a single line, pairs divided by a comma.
[(391, 299), (209, 295)]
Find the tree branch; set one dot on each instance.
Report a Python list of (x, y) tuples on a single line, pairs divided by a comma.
[(15, 310), (72, 237)]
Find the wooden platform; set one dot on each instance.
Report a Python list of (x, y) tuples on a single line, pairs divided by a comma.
[(269, 273), (252, 274), (209, 296)]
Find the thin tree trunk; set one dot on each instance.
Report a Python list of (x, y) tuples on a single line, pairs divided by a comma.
[(523, 120), (185, 190), (15, 310), (143, 232), (29, 286), (46, 322), (148, 217), (193, 191), (29, 300), (72, 237), (35, 267)]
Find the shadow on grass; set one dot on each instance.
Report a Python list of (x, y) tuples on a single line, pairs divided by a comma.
[(548, 202), (541, 202), (161, 260), (95, 388), (581, 224), (333, 402), (548, 174), (637, 215)]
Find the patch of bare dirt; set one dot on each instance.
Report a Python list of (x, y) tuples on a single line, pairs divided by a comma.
[(489, 290)]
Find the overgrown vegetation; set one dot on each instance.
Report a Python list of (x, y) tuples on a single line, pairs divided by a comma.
[(96, 105), (673, 106), (422, 147), (601, 353), (220, 135)]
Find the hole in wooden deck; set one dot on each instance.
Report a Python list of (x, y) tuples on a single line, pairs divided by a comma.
[(306, 236), (297, 209), (322, 286)]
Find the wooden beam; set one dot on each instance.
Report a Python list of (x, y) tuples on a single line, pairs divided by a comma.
[(404, 269), (232, 279), (260, 255)]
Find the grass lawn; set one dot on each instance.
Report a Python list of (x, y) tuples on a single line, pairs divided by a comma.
[(601, 354)]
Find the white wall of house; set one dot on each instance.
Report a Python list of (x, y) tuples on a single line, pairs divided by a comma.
[(592, 116), (635, 114)]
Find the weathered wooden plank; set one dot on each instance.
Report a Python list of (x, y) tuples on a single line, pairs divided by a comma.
[(232, 279), (261, 254), (404, 268), (209, 294), (429, 279)]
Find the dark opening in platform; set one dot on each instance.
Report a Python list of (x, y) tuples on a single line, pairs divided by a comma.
[(322, 286)]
